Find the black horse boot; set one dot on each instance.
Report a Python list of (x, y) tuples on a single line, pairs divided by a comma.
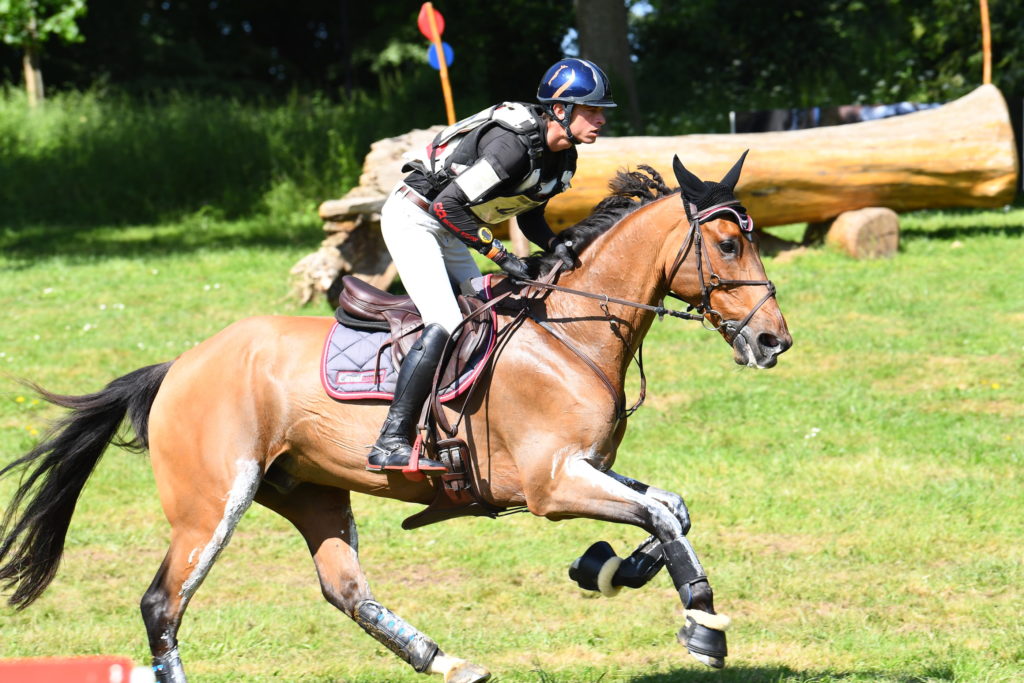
[(415, 380)]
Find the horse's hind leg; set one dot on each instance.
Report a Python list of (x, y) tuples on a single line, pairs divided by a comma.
[(323, 516), (203, 516)]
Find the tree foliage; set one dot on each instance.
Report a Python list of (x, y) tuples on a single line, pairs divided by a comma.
[(735, 55), (33, 22), (263, 46), (27, 24), (694, 60)]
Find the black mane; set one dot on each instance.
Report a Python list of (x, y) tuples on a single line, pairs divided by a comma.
[(630, 190)]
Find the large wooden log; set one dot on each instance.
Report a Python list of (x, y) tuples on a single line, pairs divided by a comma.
[(958, 155)]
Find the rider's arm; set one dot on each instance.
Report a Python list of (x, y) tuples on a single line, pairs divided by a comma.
[(502, 161), (535, 226), (451, 208)]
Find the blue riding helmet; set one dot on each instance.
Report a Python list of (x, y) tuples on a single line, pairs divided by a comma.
[(575, 81), (570, 82)]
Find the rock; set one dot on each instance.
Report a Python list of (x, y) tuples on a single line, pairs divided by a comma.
[(340, 209)]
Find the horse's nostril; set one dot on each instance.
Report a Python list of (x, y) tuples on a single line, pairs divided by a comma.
[(768, 341)]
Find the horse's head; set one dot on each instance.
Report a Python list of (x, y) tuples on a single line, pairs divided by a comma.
[(718, 270)]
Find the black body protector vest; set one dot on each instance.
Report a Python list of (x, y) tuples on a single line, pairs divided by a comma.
[(455, 149)]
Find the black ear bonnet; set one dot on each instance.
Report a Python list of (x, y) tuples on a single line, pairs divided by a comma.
[(707, 193)]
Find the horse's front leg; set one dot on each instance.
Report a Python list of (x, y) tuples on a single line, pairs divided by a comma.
[(573, 487), (600, 569), (687, 575), (672, 501)]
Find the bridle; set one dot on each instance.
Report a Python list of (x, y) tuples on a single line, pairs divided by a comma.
[(695, 241)]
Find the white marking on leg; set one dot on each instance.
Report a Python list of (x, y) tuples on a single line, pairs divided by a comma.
[(353, 538), (573, 454), (713, 662), (247, 480), (453, 668), (582, 466), (192, 555)]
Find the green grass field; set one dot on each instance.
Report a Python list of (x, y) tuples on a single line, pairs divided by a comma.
[(859, 508)]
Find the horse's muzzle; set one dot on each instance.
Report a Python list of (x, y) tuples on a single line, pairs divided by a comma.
[(757, 349)]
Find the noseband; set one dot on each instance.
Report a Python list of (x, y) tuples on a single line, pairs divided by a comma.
[(695, 241)]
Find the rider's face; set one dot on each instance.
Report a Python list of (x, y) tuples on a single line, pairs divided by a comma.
[(586, 122)]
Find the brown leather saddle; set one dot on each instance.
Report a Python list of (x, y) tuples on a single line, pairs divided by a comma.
[(363, 306)]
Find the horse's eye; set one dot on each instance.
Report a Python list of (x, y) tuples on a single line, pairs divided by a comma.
[(728, 246)]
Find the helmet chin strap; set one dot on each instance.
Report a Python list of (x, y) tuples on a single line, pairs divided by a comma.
[(564, 122)]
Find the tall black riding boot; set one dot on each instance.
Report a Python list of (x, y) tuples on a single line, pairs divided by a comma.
[(415, 379)]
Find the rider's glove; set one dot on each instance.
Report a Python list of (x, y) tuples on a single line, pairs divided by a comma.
[(512, 264), (564, 251)]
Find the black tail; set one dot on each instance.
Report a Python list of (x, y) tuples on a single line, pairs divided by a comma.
[(32, 539)]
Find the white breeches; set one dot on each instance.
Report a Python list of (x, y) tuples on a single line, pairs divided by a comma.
[(429, 259)]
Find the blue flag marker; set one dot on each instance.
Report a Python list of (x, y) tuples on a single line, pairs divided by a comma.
[(449, 55)]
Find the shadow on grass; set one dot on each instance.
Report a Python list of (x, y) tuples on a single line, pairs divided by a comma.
[(772, 674), (957, 232)]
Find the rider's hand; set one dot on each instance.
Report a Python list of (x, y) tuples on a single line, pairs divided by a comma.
[(564, 251), (513, 265)]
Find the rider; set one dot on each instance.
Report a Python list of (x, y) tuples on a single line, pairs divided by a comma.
[(505, 161)]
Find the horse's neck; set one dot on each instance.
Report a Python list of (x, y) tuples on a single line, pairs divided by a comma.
[(626, 262)]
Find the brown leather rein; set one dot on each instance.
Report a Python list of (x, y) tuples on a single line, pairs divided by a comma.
[(702, 311)]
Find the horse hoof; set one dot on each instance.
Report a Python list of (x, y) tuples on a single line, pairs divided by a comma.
[(713, 662), (706, 645), (467, 672)]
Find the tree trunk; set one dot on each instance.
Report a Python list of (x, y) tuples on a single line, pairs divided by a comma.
[(602, 26), (873, 232), (33, 76), (30, 65)]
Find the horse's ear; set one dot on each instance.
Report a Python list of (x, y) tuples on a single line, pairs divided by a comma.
[(733, 176), (691, 185)]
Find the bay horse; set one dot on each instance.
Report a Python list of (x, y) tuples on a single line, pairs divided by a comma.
[(218, 417)]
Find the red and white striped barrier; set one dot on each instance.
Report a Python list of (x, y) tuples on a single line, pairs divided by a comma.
[(99, 669)]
